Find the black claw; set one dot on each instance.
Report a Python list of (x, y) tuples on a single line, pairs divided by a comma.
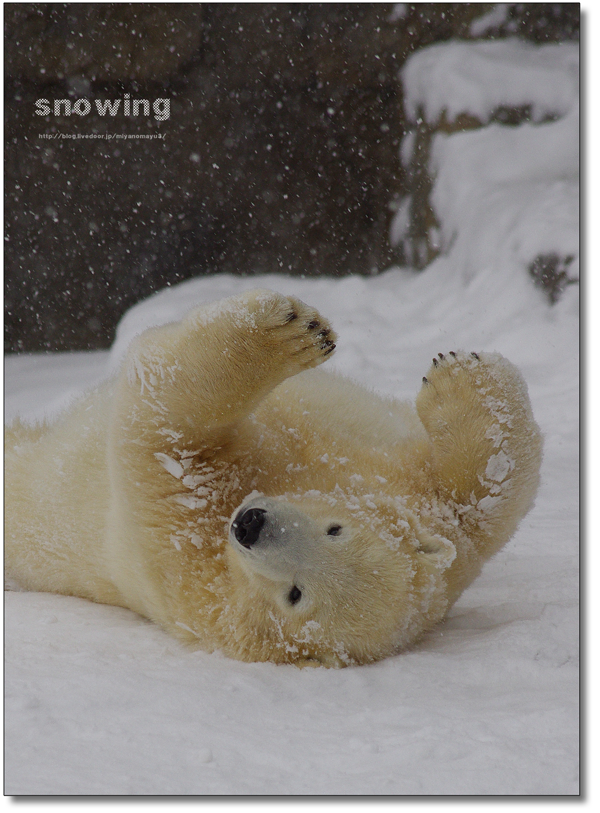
[(315, 323), (329, 350), (441, 355), (475, 356), (435, 362), (452, 353), (291, 316), (425, 381)]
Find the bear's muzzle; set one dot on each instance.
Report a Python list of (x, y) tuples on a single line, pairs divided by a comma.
[(247, 525)]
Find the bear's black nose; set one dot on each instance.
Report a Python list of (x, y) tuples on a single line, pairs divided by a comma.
[(247, 525)]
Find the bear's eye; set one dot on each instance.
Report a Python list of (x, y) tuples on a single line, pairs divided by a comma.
[(334, 530), (294, 595)]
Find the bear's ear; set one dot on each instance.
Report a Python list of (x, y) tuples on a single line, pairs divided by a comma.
[(430, 543), (439, 550)]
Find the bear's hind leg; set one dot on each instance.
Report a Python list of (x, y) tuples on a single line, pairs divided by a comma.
[(486, 444)]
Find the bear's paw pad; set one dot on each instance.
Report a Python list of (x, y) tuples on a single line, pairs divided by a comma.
[(450, 373), (452, 363), (300, 331)]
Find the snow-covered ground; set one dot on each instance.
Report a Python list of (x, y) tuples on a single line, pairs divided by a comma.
[(100, 701)]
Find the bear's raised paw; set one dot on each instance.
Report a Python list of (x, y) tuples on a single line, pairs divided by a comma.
[(450, 377), (294, 329)]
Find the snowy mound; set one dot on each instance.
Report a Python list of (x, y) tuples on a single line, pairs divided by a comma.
[(506, 195), (480, 77), (499, 202)]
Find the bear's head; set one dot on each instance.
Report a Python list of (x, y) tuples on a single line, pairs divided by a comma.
[(333, 579)]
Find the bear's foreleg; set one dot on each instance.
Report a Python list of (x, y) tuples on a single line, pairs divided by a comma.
[(198, 378), (178, 428)]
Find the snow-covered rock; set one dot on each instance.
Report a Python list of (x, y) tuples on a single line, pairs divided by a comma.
[(497, 197)]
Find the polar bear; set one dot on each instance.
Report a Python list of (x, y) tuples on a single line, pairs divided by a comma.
[(247, 503)]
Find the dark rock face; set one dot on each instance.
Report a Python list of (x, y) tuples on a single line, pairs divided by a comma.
[(279, 151)]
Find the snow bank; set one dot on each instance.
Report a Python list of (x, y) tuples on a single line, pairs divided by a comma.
[(504, 200), (480, 77), (504, 195)]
